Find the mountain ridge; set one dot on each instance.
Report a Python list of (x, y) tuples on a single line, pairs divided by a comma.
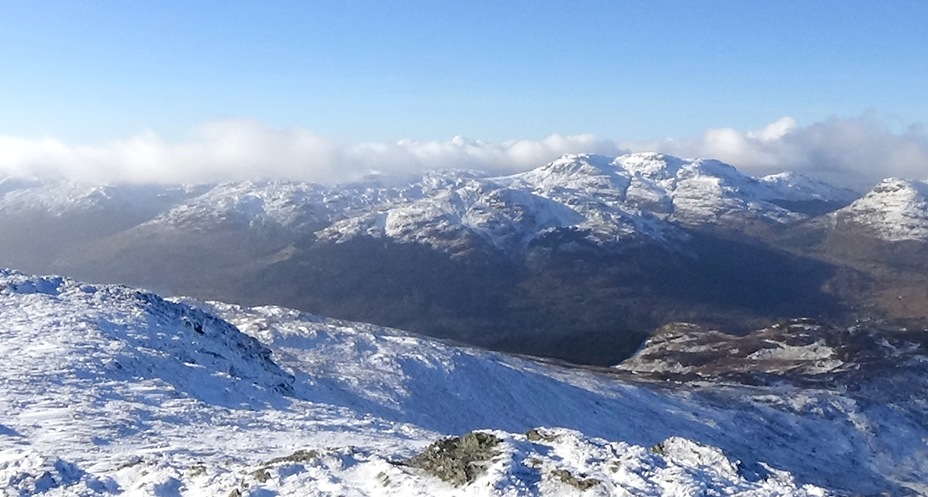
[(639, 182)]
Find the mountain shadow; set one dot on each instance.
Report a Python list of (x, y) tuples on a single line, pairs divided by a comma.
[(563, 298)]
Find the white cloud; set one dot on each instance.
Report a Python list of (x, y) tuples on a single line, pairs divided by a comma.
[(851, 151), (855, 152), (243, 149)]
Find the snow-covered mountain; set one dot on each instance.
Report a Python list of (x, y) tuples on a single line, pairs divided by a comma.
[(611, 199), (894, 210), (113, 391), (64, 197)]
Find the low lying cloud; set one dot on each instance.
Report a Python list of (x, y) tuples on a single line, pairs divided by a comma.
[(232, 150), (852, 151), (855, 152)]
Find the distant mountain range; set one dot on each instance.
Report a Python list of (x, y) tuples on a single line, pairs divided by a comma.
[(578, 259)]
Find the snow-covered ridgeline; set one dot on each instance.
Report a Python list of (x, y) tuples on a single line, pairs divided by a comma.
[(611, 199)]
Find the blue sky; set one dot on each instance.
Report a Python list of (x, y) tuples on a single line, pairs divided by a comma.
[(374, 71)]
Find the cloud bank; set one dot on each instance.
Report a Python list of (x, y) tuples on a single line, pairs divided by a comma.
[(231, 150), (855, 152), (851, 151)]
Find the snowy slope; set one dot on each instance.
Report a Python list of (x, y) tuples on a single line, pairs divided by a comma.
[(109, 390), (797, 187), (65, 197), (894, 210)]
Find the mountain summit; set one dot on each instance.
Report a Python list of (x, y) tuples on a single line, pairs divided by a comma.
[(894, 210)]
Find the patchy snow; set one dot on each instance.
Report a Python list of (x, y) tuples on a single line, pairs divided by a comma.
[(798, 348), (820, 356), (110, 390)]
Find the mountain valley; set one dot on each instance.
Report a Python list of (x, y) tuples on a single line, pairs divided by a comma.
[(578, 259)]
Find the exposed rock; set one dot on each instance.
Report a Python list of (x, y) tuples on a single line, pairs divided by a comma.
[(457, 460)]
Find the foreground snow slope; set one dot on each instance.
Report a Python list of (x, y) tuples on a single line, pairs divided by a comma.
[(109, 390)]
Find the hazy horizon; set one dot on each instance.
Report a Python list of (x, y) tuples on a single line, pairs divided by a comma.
[(330, 91)]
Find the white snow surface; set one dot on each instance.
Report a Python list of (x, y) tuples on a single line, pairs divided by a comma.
[(108, 390), (894, 210), (798, 187)]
